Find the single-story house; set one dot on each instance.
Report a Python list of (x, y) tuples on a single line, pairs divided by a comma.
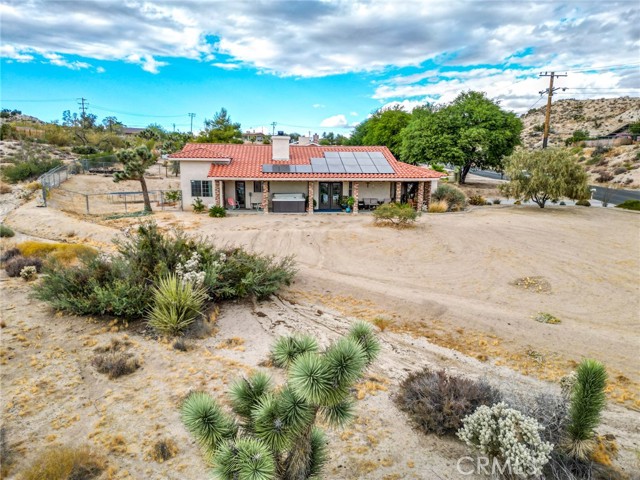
[(296, 178)]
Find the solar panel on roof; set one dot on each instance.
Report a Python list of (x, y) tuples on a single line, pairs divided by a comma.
[(331, 154), (303, 169), (375, 155), (319, 165), (368, 169), (361, 155), (335, 167), (281, 168), (267, 168), (352, 168), (385, 168), (346, 155)]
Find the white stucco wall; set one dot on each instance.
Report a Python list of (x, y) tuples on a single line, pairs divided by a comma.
[(194, 170), (379, 190)]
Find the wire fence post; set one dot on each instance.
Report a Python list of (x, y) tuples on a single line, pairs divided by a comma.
[(86, 201), (125, 203), (161, 201)]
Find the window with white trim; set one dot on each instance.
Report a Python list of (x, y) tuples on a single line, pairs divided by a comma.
[(201, 188), (257, 187)]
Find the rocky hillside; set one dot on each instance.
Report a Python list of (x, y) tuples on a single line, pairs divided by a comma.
[(597, 116)]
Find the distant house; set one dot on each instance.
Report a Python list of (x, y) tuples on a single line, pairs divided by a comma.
[(253, 137), (282, 177), (129, 132)]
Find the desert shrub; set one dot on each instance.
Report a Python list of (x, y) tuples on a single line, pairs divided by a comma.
[(198, 206), (4, 188), (619, 170), (600, 150), (630, 205), (437, 402), (9, 254), (98, 286), (6, 232), (28, 273), (237, 273), (583, 203), (164, 450), (395, 214), (604, 177), (454, 197), (286, 350), (496, 201), (63, 252), (115, 363), (439, 206), (176, 304), (28, 169), (279, 437), (507, 436), (477, 200), (14, 266), (65, 463), (587, 402), (180, 344), (217, 211)]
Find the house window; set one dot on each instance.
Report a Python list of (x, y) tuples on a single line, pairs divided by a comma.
[(201, 188), (257, 187)]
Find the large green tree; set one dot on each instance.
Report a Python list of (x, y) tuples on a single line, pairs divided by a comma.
[(220, 129), (383, 128), (135, 162), (472, 131), (544, 175)]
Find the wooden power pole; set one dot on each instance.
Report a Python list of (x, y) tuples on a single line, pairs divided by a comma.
[(547, 117)]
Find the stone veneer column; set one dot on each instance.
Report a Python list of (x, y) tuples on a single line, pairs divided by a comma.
[(310, 198), (216, 193), (398, 192), (356, 188), (265, 196), (420, 196), (427, 193)]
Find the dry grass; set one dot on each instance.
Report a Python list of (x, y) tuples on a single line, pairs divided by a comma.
[(234, 343), (544, 317), (164, 450), (4, 188), (533, 284), (65, 463), (438, 207), (63, 252), (382, 323), (114, 360)]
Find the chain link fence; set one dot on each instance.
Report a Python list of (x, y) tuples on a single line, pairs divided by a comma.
[(112, 203)]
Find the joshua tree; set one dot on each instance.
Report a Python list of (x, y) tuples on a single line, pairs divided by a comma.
[(276, 436), (135, 163), (587, 402)]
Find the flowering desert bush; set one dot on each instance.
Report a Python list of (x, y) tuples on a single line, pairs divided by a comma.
[(508, 436)]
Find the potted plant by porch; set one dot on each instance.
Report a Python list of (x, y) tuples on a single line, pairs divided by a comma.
[(350, 202), (343, 202)]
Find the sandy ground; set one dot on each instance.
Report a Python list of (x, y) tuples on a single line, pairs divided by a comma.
[(447, 290)]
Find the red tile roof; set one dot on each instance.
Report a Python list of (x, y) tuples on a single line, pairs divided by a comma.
[(247, 161)]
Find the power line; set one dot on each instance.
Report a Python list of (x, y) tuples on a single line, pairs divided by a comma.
[(110, 110), (536, 102), (191, 115), (39, 101), (606, 67)]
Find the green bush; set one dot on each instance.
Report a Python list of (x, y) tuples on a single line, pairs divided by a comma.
[(395, 214), (438, 402), (26, 170), (583, 203), (588, 400), (454, 197), (217, 211), (630, 205), (6, 231), (198, 206), (98, 286), (176, 305), (438, 167), (14, 266)]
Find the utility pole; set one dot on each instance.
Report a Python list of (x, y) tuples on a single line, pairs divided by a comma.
[(550, 91), (273, 128), (83, 105), (174, 127), (192, 115)]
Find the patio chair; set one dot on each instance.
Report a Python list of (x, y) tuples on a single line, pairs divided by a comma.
[(232, 204)]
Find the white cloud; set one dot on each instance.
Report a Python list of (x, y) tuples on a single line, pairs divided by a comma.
[(354, 114), (9, 51), (337, 121), (148, 63), (226, 66), (59, 61), (100, 70), (318, 105)]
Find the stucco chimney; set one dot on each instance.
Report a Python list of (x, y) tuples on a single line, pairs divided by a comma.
[(304, 140), (280, 146)]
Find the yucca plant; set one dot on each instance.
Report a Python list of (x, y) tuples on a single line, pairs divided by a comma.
[(176, 304), (587, 402), (279, 438)]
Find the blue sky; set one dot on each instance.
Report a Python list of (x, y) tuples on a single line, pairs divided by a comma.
[(311, 66)]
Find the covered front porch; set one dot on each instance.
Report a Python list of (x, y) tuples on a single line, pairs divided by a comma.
[(280, 196)]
